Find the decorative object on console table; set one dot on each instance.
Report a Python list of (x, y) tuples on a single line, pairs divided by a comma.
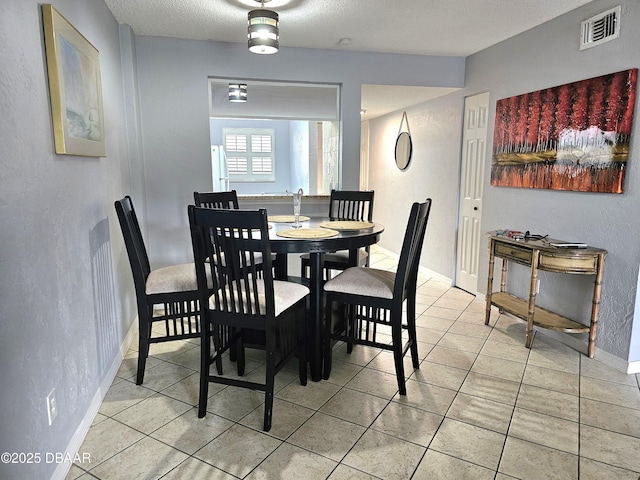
[(75, 88), (571, 137), (539, 254)]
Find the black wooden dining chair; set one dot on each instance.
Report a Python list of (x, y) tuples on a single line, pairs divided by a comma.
[(167, 297), (345, 205), (244, 302), (221, 200), (374, 300)]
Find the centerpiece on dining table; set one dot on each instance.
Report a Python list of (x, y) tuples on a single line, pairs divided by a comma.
[(297, 201)]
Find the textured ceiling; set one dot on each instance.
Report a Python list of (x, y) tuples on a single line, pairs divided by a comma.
[(420, 27)]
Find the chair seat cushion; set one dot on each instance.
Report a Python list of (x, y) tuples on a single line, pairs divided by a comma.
[(341, 256), (369, 282), (174, 278), (285, 294)]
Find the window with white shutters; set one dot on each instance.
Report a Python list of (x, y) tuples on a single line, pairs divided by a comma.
[(250, 154)]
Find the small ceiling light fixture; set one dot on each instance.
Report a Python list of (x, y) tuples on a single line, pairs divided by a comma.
[(263, 31), (237, 92)]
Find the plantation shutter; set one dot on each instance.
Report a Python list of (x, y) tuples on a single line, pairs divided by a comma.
[(250, 154), (261, 164), (236, 148)]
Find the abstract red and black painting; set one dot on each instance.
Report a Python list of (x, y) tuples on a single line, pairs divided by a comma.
[(570, 137)]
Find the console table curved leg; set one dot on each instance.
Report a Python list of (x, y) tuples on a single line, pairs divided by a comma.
[(597, 288), (532, 298), (489, 283)]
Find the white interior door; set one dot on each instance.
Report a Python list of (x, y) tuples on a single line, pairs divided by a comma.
[(474, 148)]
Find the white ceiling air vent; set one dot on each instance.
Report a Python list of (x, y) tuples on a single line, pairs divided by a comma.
[(601, 28)]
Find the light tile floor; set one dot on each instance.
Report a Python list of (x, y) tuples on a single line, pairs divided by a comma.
[(481, 406)]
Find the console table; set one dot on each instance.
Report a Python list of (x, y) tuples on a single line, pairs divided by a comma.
[(541, 255)]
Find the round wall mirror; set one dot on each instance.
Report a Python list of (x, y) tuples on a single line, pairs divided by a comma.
[(404, 149)]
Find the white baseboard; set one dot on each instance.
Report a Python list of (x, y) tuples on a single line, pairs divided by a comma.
[(633, 367), (435, 275), (62, 470), (612, 361), (422, 270)]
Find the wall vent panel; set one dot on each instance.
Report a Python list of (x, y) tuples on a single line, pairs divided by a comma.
[(600, 29)]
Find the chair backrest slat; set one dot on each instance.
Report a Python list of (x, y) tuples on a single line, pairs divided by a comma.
[(351, 205), (221, 200), (227, 242), (407, 273)]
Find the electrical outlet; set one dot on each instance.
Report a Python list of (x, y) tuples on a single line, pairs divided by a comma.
[(52, 406)]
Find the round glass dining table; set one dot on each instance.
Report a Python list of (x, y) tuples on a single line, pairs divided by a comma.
[(311, 239)]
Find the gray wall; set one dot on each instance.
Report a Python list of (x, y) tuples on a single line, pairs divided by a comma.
[(176, 129), (436, 134), (59, 327), (543, 57)]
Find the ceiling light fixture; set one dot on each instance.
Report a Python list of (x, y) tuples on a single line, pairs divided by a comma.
[(237, 92), (263, 33)]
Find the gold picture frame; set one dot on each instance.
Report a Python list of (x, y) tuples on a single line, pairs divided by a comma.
[(75, 88)]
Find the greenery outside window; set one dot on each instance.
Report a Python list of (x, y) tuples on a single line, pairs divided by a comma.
[(250, 154)]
